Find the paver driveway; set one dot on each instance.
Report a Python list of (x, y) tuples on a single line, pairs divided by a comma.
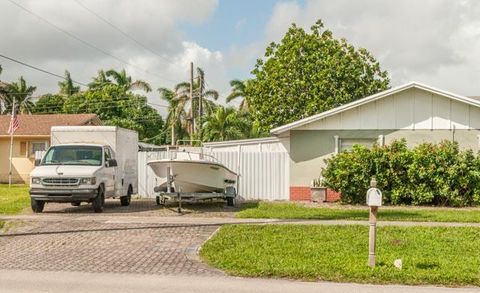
[(100, 246)]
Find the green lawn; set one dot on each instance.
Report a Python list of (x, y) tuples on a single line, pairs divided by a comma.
[(444, 256), (298, 211), (14, 199)]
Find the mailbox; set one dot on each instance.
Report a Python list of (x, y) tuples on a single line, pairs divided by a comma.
[(374, 197)]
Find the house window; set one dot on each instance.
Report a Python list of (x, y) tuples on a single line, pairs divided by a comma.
[(36, 146), (23, 148), (348, 143)]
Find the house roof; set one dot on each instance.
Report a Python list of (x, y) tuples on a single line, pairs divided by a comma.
[(41, 124), (284, 128)]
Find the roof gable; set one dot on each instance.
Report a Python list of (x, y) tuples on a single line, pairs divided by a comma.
[(41, 124), (373, 98)]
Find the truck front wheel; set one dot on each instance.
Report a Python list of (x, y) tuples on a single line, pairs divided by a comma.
[(99, 200), (37, 205)]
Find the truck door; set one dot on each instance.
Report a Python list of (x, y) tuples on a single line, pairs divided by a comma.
[(109, 173)]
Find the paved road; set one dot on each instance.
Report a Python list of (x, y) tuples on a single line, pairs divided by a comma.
[(32, 281)]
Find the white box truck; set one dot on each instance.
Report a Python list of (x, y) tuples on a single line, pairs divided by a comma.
[(86, 164)]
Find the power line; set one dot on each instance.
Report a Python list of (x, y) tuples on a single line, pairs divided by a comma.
[(71, 35), (39, 69), (120, 31)]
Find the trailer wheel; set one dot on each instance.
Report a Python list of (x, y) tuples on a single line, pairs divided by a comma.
[(157, 200), (99, 200), (125, 200), (37, 205)]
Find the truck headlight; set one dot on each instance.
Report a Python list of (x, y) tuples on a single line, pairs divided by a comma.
[(36, 180), (88, 181)]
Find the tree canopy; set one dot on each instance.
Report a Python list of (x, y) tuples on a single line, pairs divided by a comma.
[(307, 73), (116, 106)]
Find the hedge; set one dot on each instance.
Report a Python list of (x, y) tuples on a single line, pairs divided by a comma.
[(429, 174)]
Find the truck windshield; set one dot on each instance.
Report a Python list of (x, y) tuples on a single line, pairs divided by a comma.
[(73, 155)]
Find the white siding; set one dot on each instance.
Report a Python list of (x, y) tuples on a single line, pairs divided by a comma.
[(423, 110), (414, 109), (263, 175)]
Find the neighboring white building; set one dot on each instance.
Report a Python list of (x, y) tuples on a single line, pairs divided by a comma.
[(413, 111)]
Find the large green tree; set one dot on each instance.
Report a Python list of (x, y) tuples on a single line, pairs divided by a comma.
[(307, 73), (49, 104), (116, 106)]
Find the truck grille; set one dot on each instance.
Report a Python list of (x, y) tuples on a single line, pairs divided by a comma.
[(60, 181)]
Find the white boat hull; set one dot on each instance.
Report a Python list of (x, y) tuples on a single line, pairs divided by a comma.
[(194, 176)]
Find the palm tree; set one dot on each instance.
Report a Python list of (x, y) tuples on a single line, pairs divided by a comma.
[(100, 80), (183, 109), (202, 101), (239, 91), (176, 117), (125, 81), (22, 93), (66, 87), (223, 124)]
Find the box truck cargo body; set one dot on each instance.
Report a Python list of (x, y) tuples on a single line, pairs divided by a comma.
[(86, 164)]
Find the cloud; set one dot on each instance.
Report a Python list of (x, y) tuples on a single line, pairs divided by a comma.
[(152, 22), (429, 41)]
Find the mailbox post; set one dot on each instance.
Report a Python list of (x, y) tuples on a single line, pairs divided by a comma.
[(374, 200)]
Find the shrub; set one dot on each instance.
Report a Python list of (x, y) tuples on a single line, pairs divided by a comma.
[(433, 174)]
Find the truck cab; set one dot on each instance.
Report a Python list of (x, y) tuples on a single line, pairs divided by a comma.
[(83, 172)]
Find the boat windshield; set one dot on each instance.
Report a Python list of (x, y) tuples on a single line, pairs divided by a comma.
[(73, 155)]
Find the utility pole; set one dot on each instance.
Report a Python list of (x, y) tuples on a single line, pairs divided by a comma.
[(192, 112), (200, 106)]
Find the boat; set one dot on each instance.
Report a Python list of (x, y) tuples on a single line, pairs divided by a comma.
[(189, 175)]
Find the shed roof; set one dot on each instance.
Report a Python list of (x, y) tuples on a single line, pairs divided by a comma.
[(375, 97), (41, 124)]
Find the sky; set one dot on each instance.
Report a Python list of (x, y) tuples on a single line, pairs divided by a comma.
[(436, 42)]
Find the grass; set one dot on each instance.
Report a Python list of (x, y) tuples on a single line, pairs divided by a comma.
[(13, 200), (442, 256), (298, 211)]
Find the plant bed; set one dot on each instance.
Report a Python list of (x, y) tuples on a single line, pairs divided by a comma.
[(298, 211), (440, 256)]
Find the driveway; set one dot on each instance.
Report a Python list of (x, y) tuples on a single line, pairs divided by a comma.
[(96, 244)]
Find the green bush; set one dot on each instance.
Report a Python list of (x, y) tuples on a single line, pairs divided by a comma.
[(429, 174)]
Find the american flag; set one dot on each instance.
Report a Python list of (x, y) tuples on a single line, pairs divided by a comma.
[(14, 124)]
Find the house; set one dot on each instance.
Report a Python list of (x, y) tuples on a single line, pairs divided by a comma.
[(416, 112), (33, 134)]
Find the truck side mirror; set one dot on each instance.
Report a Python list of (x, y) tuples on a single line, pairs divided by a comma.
[(111, 163), (37, 162)]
